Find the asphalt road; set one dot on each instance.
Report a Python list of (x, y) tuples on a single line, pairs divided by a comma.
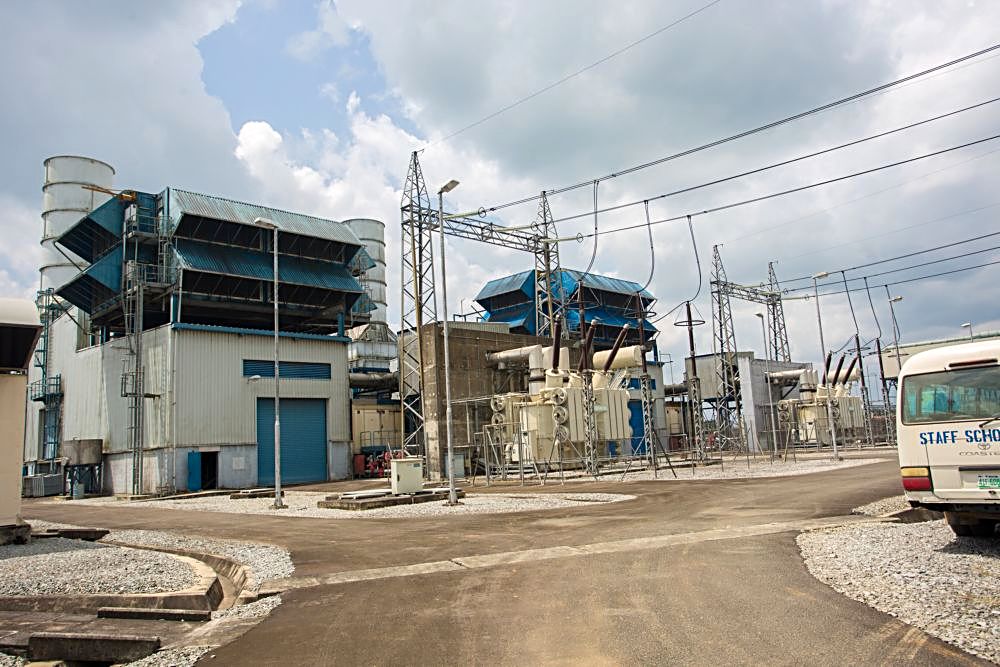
[(722, 588)]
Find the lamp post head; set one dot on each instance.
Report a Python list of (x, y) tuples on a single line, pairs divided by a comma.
[(895, 299), (760, 315), (966, 324), (448, 187), (266, 223), (821, 275)]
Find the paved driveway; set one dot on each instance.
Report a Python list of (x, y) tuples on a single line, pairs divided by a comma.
[(690, 572)]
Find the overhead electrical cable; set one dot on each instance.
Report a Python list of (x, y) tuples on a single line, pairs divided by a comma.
[(697, 263), (910, 254), (782, 163), (854, 200), (871, 303), (573, 75), (652, 251), (782, 193), (898, 282), (756, 130)]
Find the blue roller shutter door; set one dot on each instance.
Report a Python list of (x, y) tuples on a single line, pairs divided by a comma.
[(303, 440)]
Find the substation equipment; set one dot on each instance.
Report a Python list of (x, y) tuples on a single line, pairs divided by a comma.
[(552, 410)]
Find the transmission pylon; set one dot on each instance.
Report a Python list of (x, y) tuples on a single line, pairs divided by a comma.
[(776, 318), (728, 406), (549, 303), (418, 302)]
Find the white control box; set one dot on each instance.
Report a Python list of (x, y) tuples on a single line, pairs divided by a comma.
[(407, 475)]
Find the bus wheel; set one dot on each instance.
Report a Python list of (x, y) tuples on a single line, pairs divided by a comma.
[(971, 527)]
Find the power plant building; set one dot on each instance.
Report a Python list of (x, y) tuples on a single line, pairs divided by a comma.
[(159, 343)]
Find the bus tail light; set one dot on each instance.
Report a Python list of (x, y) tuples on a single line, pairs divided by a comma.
[(916, 479)]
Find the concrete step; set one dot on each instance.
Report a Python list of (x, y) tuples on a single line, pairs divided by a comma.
[(155, 614), (83, 647)]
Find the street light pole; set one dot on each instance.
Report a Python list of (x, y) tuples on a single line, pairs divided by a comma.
[(266, 223), (822, 351), (452, 494), (968, 325)]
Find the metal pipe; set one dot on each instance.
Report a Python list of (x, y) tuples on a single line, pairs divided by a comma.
[(372, 380), (614, 349), (556, 341)]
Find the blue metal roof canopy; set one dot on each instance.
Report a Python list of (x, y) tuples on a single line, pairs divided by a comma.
[(184, 203), (511, 300), (96, 232), (244, 263)]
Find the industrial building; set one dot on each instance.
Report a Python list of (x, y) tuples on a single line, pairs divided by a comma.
[(612, 302), (157, 313)]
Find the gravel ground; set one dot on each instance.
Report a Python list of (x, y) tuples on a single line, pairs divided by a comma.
[(264, 560), (10, 660), (172, 657), (258, 609), (739, 469), (303, 504), (921, 573), (57, 566), (883, 507)]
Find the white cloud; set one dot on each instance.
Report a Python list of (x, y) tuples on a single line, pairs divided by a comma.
[(123, 86), (331, 31), (330, 91)]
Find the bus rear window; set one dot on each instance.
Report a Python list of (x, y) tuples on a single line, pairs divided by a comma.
[(961, 394)]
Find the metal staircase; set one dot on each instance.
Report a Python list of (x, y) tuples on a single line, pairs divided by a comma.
[(147, 273)]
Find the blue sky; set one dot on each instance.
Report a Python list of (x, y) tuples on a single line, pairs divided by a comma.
[(249, 66)]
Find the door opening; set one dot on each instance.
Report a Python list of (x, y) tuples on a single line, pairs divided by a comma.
[(210, 470)]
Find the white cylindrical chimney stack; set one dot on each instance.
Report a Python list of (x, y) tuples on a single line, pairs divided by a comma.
[(372, 234), (64, 202)]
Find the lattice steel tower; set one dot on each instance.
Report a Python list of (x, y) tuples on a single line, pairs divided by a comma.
[(728, 407), (418, 302), (776, 318)]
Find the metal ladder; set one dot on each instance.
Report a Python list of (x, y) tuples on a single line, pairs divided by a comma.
[(132, 372)]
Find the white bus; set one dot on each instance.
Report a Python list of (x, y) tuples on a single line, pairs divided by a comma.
[(948, 430)]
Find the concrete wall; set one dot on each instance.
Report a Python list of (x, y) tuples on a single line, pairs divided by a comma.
[(13, 390)]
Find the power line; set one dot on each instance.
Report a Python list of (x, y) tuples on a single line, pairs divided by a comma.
[(801, 188), (573, 75), (906, 256), (782, 163), (861, 198), (756, 130), (898, 282), (904, 268)]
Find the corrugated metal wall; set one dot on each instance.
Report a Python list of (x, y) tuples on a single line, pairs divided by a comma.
[(218, 404)]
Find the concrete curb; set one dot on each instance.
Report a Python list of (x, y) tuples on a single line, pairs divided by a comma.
[(240, 575), (205, 595), (90, 648)]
